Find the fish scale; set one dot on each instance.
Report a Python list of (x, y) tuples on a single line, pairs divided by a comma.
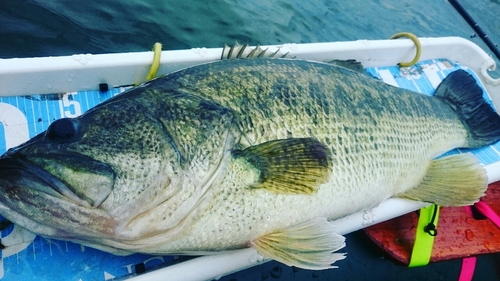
[(246, 152), (355, 158)]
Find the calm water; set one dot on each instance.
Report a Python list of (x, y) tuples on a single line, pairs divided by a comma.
[(56, 27)]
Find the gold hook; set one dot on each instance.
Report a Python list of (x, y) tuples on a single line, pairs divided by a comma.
[(417, 44), (156, 61)]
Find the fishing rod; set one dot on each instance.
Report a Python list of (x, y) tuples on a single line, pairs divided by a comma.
[(476, 27)]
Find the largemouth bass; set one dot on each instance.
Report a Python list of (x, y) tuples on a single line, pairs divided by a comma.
[(246, 153)]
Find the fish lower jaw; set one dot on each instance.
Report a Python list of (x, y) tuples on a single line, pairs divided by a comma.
[(28, 224)]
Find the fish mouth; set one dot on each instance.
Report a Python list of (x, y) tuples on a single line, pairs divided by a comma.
[(43, 203), (16, 172)]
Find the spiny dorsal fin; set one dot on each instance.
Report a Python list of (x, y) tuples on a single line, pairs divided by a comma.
[(238, 51), (456, 180), (461, 92), (291, 166), (309, 245)]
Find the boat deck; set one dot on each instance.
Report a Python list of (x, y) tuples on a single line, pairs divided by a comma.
[(24, 116)]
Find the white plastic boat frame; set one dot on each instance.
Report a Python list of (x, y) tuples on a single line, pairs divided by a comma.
[(27, 76)]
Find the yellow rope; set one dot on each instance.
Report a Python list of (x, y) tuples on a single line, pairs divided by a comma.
[(156, 62), (417, 44)]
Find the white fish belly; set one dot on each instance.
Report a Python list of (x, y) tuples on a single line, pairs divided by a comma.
[(364, 174)]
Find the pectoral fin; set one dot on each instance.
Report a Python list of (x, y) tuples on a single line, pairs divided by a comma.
[(309, 245), (457, 180), (293, 166)]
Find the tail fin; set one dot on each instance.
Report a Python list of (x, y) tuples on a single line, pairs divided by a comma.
[(461, 92)]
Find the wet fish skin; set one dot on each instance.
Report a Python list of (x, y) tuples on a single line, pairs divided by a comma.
[(181, 160), (359, 129)]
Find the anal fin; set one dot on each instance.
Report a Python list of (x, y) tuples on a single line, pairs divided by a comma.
[(309, 245), (456, 180)]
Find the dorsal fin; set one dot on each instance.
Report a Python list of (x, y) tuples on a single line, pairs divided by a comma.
[(351, 64), (238, 51)]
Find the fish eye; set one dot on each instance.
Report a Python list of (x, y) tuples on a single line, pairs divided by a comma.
[(60, 129)]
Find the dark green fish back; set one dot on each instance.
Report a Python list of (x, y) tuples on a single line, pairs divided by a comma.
[(275, 99)]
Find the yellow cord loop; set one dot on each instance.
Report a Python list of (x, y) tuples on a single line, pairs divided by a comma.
[(156, 62), (417, 44)]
